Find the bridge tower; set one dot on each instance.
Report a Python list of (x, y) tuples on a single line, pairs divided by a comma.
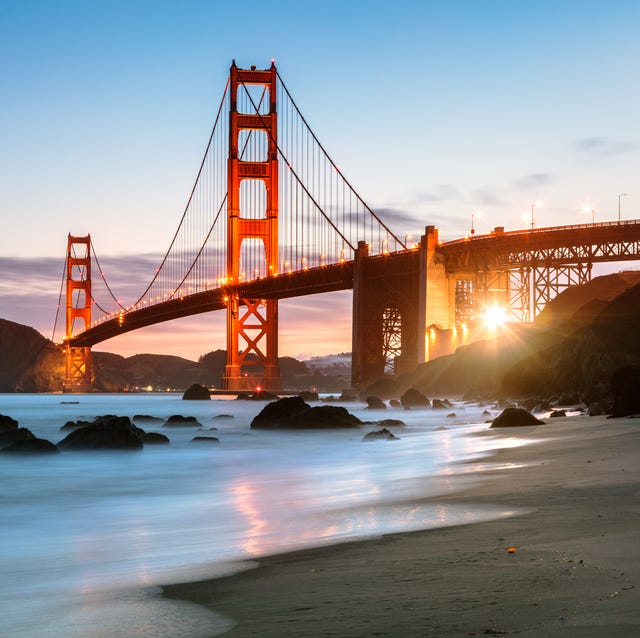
[(78, 306), (252, 324)]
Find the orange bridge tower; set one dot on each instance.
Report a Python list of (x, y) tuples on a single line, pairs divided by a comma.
[(78, 306), (252, 223)]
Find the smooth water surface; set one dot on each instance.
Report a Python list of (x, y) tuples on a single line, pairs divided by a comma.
[(88, 536)]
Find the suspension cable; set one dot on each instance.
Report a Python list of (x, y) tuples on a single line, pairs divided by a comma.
[(317, 141), (186, 208), (55, 323)]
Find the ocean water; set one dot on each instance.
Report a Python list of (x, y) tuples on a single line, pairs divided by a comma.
[(88, 537)]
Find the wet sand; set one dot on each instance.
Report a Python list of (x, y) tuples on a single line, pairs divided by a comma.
[(575, 571)]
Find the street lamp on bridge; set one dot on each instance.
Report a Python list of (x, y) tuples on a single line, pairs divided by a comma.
[(620, 196), (473, 215), (533, 214), (589, 208)]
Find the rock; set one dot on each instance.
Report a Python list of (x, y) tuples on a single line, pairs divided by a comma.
[(413, 398), (395, 403), (147, 418), (308, 395), (17, 435), (596, 409), (625, 386), (438, 404), (205, 439), (375, 403), (182, 421), (514, 417), (154, 438), (258, 395), (223, 416), (72, 425), (7, 423), (382, 434), (387, 423), (451, 416), (196, 392), (293, 412), (31, 446), (349, 395), (557, 413), (105, 433)]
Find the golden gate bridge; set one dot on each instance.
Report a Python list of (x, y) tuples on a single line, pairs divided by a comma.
[(271, 216)]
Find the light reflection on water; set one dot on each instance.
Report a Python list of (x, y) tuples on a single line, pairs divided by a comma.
[(81, 530)]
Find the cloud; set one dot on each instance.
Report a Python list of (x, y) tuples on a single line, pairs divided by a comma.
[(603, 146), (533, 181)]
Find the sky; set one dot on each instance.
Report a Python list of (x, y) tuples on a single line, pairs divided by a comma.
[(433, 110)]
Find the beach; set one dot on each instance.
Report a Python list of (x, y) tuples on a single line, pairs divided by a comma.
[(564, 564)]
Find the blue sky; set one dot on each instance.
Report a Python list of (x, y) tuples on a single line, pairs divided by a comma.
[(431, 109)]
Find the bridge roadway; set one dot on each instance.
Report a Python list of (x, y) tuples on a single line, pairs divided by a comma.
[(549, 247), (311, 281)]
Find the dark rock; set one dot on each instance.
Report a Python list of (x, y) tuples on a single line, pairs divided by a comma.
[(154, 438), (438, 404), (596, 409), (391, 423), (293, 412), (72, 425), (413, 398), (182, 421), (375, 403), (31, 446), (451, 416), (625, 386), (223, 416), (258, 395), (378, 435), (568, 398), (308, 395), (557, 413), (8, 437), (514, 417), (395, 403), (196, 392), (105, 433), (7, 423), (147, 418), (205, 439), (486, 413)]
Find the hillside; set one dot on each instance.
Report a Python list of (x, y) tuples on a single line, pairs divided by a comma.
[(32, 363), (575, 344)]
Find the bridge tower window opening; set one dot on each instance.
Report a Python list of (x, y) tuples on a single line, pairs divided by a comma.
[(253, 146), (391, 337)]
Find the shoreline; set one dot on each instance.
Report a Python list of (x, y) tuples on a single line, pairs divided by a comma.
[(574, 571)]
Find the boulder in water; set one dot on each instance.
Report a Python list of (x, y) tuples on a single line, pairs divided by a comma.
[(375, 403), (380, 435), (105, 433), (515, 417), (7, 423), (31, 446), (413, 398), (294, 413), (154, 438), (197, 392), (182, 421)]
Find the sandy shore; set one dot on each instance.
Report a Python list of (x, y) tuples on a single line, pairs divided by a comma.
[(575, 571)]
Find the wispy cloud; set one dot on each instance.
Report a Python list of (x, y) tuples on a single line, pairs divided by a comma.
[(603, 146), (534, 181)]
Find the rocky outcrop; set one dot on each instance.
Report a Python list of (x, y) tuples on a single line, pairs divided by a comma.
[(515, 417), (375, 403), (413, 398), (294, 413), (197, 392), (7, 423), (625, 387), (205, 439), (105, 433), (380, 435), (154, 438), (32, 445), (177, 420)]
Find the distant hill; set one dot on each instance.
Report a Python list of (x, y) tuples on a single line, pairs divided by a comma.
[(30, 362)]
